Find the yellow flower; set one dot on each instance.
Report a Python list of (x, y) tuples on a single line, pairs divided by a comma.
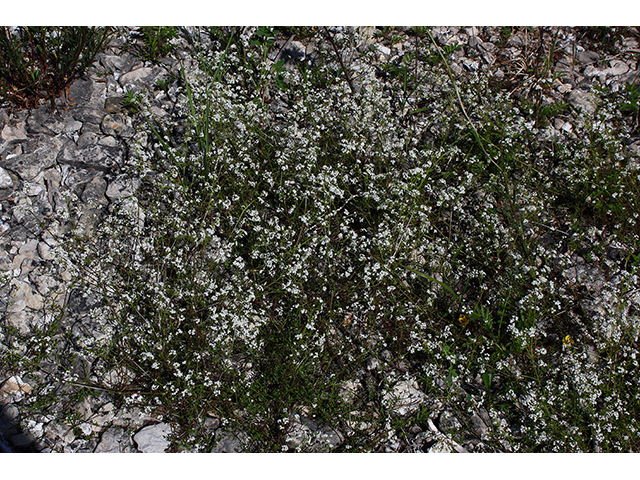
[(464, 320), (567, 341)]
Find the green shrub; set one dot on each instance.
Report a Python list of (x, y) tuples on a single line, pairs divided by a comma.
[(41, 62), (277, 257)]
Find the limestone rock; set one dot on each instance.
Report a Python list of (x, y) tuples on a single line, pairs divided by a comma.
[(442, 447), (5, 179), (93, 157), (617, 67), (9, 420), (56, 432), (117, 125), (14, 133), (23, 296), (307, 435), (45, 250), (28, 166), (115, 62), (349, 390), (14, 387), (122, 187), (153, 439), (89, 115), (80, 91), (138, 76), (114, 104), (71, 126), (227, 443), (94, 192), (405, 398), (581, 99), (21, 440), (114, 440), (87, 139), (40, 121), (19, 320)]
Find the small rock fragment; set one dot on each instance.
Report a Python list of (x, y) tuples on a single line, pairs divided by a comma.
[(153, 439), (14, 133), (114, 105), (5, 179), (405, 398)]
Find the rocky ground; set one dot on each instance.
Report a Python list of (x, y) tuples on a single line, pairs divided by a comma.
[(62, 170)]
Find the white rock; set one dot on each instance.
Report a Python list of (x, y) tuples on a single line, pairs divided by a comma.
[(135, 76), (23, 297), (591, 71), (5, 262), (30, 246), (153, 439), (118, 377), (564, 87), (297, 433), (405, 398), (227, 443), (72, 126), (18, 259), (108, 141), (472, 31), (57, 431), (108, 443), (43, 320), (101, 419), (5, 179), (384, 50), (309, 436), (115, 125), (584, 100), (348, 390), (14, 133), (33, 189), (86, 428), (367, 34), (16, 304), (19, 320), (617, 67), (129, 207), (14, 385), (470, 64), (45, 251), (567, 127), (121, 188)]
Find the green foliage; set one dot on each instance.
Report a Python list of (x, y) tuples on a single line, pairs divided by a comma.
[(631, 95), (157, 42), (631, 102), (41, 62), (284, 257), (132, 102)]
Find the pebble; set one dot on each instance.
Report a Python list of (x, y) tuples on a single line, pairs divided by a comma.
[(405, 398), (153, 439), (114, 440), (14, 133), (114, 105), (5, 179), (138, 76)]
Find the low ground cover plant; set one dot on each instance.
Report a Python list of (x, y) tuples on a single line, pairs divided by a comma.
[(310, 233)]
